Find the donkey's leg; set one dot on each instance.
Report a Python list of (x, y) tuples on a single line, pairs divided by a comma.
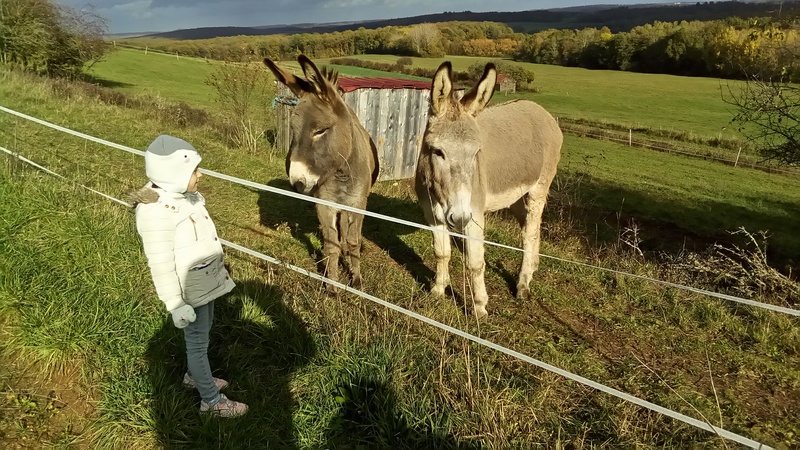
[(476, 264), (441, 248), (354, 243), (534, 203), (331, 244)]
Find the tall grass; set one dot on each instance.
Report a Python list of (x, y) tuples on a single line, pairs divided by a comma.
[(336, 372)]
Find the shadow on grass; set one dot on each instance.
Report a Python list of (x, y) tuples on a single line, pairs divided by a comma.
[(672, 226), (301, 217), (370, 417), (257, 358), (92, 79)]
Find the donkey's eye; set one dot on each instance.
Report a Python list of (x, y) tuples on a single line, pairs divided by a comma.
[(320, 132), (439, 153)]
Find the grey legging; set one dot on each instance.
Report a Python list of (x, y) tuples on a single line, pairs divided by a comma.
[(196, 336)]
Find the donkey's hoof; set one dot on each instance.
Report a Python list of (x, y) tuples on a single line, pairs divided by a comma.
[(357, 282), (480, 312), (523, 292), (331, 289), (438, 290)]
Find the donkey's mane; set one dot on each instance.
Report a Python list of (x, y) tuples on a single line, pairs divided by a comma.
[(331, 75)]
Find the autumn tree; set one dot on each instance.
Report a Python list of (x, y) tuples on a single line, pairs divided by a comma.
[(768, 104), (426, 40)]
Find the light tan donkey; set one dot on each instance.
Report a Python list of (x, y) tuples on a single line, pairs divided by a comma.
[(475, 160), (331, 157)]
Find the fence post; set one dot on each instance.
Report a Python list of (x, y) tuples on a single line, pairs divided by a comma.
[(145, 49), (737, 157), (630, 137)]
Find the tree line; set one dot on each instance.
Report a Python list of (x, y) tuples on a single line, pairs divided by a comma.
[(730, 48)]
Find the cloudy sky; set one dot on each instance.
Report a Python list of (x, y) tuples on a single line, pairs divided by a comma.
[(130, 16)]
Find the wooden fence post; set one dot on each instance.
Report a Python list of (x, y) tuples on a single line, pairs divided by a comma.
[(630, 137)]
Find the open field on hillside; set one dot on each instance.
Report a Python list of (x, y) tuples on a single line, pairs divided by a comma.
[(177, 79), (675, 105), (683, 104), (689, 104), (336, 372)]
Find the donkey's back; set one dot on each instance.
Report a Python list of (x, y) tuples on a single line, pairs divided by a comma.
[(521, 147)]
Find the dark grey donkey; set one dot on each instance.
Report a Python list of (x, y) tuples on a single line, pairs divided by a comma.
[(475, 160), (331, 157)]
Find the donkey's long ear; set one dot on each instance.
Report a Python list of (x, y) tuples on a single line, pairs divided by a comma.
[(313, 75), (478, 97), (298, 86), (441, 88)]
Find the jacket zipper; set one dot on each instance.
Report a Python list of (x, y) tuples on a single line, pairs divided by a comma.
[(194, 227)]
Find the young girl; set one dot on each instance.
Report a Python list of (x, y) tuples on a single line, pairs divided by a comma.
[(185, 259)]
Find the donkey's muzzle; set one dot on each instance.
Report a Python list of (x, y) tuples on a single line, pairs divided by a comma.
[(458, 219), (301, 177)]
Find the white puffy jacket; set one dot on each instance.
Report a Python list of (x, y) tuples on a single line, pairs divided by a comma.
[(182, 247)]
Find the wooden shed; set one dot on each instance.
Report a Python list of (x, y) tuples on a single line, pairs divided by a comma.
[(393, 111)]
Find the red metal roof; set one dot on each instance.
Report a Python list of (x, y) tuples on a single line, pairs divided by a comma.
[(349, 84)]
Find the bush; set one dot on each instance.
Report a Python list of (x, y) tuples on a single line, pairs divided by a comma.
[(522, 76), (244, 96), (49, 39)]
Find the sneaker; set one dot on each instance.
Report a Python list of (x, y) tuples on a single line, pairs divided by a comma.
[(189, 382), (224, 408)]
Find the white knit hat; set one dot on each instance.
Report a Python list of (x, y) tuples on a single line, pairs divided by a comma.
[(169, 163)]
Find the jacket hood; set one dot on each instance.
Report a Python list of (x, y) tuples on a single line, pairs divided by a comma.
[(169, 163), (150, 194), (143, 195)]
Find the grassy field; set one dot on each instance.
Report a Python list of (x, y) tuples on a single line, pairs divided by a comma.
[(683, 104), (684, 113), (631, 99), (323, 372), (177, 79)]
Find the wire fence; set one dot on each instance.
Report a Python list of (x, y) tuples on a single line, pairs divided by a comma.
[(666, 147)]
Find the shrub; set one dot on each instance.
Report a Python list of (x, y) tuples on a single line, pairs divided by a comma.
[(49, 39), (522, 76), (244, 96)]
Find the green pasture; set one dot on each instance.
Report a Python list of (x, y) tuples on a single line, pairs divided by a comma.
[(685, 104), (157, 74), (179, 79), (337, 372)]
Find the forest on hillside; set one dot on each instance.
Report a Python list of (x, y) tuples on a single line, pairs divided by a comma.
[(726, 48)]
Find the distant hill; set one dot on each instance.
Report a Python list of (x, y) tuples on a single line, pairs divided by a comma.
[(617, 18)]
